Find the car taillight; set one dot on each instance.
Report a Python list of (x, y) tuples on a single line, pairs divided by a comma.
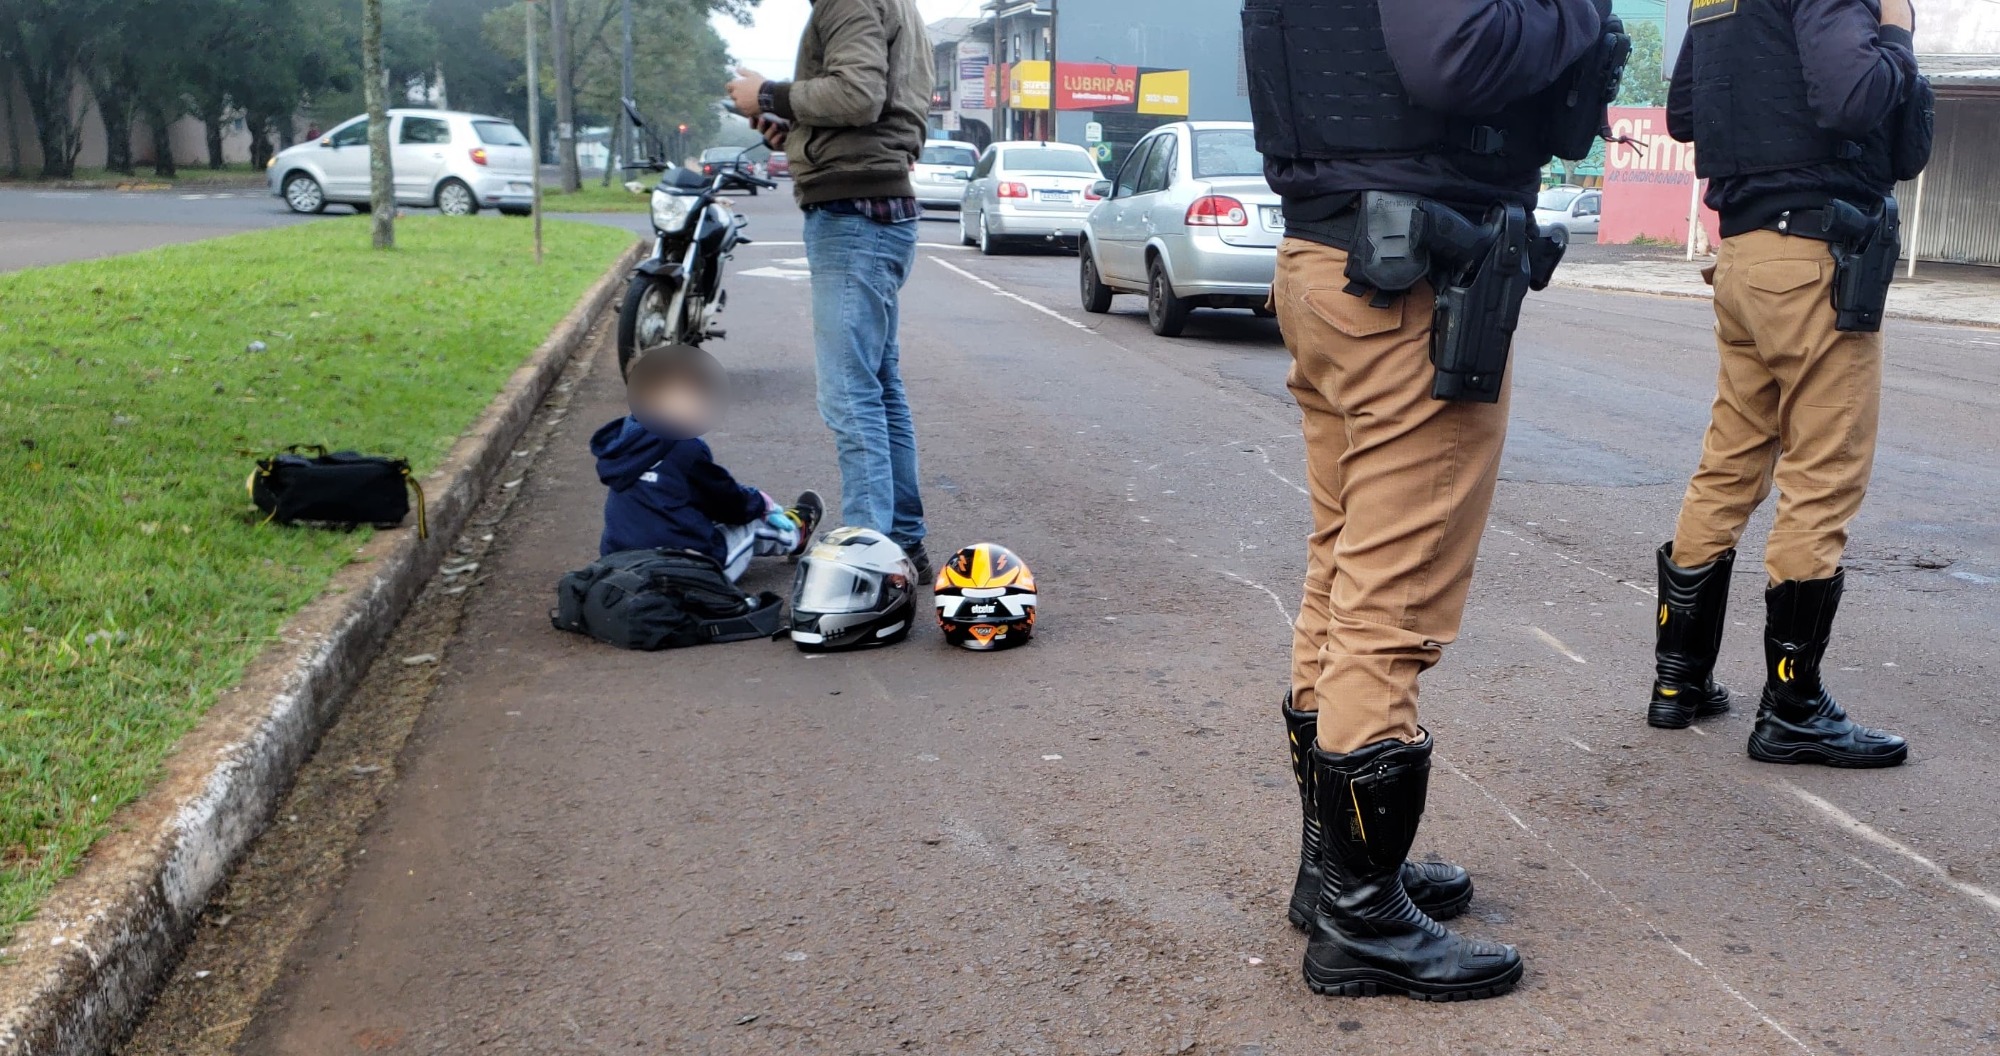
[(479, 155), (1215, 210), (1013, 190)]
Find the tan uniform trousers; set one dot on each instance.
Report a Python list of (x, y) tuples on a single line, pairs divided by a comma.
[(1400, 484), (1796, 404)]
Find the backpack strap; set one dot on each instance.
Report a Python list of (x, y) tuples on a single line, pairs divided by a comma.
[(760, 622)]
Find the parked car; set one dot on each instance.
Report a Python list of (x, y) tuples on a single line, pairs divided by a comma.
[(730, 159), (1024, 190), (942, 171), (456, 161), (780, 166), (1573, 210), (1189, 222)]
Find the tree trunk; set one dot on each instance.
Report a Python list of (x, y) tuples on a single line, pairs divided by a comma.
[(212, 128), (57, 128), (572, 175), (13, 129), (161, 125), (116, 106), (381, 176)]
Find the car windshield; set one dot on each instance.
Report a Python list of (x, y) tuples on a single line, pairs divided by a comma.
[(1226, 152), (1044, 159), (948, 154), (499, 134), (1557, 197)]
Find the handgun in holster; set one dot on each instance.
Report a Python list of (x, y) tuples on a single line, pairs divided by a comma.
[(1864, 250), (1485, 273)]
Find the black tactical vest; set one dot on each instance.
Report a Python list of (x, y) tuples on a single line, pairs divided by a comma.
[(1751, 114), (1323, 87)]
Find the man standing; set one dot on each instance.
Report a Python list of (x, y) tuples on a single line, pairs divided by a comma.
[(852, 124), (1391, 129), (1797, 112)]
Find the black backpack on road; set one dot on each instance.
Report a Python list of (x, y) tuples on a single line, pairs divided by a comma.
[(661, 599)]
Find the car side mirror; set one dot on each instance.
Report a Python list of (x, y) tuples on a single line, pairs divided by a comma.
[(1101, 189), (326, 142)]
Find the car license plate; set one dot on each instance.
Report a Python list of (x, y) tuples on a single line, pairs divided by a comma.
[(1274, 218), (521, 188), (1056, 196)]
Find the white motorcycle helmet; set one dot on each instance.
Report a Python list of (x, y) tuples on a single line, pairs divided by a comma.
[(854, 589)]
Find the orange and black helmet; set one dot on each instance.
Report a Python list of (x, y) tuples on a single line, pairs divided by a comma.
[(985, 598)]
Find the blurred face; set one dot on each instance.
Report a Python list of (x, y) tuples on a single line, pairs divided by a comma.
[(678, 389)]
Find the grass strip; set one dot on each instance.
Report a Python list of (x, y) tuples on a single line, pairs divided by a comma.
[(597, 199), (136, 581)]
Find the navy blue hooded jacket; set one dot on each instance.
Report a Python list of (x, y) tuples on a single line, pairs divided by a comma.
[(666, 491)]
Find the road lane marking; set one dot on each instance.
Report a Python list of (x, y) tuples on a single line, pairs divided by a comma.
[(1009, 294), (1555, 643), (1290, 619), (1658, 932), (1581, 745), (1860, 828), (1560, 556)]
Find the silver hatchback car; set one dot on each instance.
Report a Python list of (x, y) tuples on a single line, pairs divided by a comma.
[(455, 161), (1189, 222), (1021, 191)]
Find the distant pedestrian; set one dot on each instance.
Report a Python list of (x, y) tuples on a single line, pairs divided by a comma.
[(852, 124), (1809, 244), (313, 132)]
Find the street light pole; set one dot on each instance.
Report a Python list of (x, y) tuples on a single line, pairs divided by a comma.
[(1055, 73), (625, 84), (535, 129)]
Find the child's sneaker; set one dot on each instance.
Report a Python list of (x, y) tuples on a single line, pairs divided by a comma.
[(805, 511)]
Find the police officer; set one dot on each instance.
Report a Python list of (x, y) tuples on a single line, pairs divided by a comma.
[(1387, 126), (1803, 114)]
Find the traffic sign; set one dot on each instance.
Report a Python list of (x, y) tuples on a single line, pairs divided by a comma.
[(1093, 132)]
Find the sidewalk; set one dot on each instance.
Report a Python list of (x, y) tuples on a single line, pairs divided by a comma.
[(1940, 293)]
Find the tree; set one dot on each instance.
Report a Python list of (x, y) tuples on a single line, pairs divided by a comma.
[(1644, 83), (51, 43), (381, 176)]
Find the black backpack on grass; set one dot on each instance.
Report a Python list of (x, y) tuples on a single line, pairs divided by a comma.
[(661, 599)]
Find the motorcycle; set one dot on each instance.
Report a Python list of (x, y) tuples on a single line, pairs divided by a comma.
[(675, 296)]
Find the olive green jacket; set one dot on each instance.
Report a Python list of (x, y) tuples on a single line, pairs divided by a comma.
[(860, 107)]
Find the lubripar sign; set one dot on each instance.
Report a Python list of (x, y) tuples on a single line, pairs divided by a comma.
[(1649, 180)]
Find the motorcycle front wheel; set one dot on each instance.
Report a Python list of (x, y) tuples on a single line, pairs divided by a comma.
[(654, 313)]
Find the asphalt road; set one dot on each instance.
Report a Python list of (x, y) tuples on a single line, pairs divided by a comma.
[(1085, 846)]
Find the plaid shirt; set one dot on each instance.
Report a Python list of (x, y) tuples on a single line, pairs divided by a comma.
[(880, 210)]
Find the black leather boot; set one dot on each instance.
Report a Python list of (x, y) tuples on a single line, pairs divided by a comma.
[(1693, 602), (1797, 720), (1440, 889), (1367, 936)]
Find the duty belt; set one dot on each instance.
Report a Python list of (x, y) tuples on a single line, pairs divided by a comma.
[(1337, 230), (1805, 223)]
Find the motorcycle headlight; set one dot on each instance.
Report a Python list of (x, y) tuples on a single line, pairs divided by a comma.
[(670, 211)]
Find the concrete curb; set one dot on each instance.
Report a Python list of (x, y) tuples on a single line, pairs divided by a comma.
[(86, 967), (1614, 285)]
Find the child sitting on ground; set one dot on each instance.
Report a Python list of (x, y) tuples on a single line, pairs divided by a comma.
[(666, 489)]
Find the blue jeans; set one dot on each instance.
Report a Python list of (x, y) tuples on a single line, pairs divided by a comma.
[(858, 267)]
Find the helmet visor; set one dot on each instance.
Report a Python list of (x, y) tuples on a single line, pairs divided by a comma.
[(826, 587)]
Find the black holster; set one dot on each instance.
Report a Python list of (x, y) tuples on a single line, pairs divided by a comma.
[(1864, 251), (1485, 273), (1390, 251)]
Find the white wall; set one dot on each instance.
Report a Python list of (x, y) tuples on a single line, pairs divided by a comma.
[(188, 135), (1962, 27)]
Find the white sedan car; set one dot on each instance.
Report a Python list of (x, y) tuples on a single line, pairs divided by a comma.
[(941, 173), (455, 161), (1023, 191)]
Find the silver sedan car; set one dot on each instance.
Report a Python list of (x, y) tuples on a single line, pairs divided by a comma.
[(1189, 222), (1028, 191), (941, 172)]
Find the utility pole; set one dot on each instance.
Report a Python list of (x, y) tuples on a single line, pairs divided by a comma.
[(1055, 73), (535, 127), (572, 180), (381, 175), (624, 138)]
